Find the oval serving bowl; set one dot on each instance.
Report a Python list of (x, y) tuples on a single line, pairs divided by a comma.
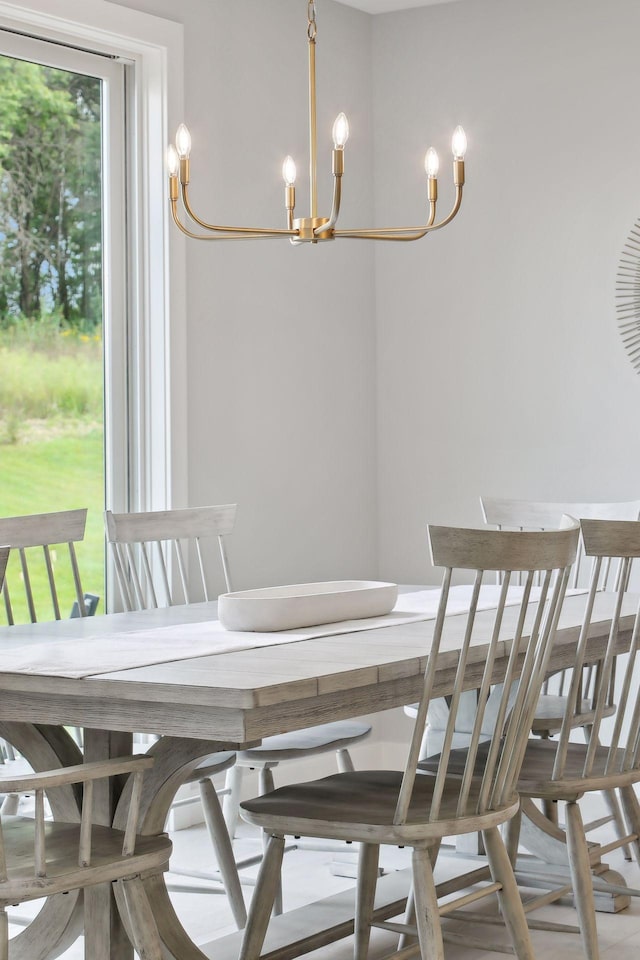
[(305, 605)]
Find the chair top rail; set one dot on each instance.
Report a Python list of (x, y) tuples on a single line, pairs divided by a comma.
[(485, 549), (184, 523), (505, 512), (36, 530)]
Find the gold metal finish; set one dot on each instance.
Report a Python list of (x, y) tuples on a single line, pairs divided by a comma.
[(306, 227), (313, 136), (313, 228)]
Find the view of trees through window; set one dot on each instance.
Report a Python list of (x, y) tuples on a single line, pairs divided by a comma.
[(51, 358)]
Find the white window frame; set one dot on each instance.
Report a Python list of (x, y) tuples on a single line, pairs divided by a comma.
[(147, 454)]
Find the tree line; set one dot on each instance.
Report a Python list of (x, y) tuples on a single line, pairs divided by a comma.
[(50, 195)]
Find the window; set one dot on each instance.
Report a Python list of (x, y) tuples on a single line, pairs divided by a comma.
[(146, 464)]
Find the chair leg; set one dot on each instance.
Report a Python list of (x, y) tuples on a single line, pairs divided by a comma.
[(410, 908), (266, 785), (224, 851), (580, 867), (426, 906), (410, 919), (509, 896), (631, 808), (512, 836), (618, 820), (143, 925), (263, 900), (344, 761), (4, 935), (233, 784), (365, 895), (10, 805)]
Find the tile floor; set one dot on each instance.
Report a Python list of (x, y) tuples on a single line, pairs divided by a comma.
[(307, 877)]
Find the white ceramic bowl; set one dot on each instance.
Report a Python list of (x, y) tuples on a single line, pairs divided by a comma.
[(305, 604)]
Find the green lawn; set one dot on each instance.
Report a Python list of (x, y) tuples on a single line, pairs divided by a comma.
[(51, 450), (62, 473)]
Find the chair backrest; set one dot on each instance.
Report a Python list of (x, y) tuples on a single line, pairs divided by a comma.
[(144, 546), (4, 557), (540, 515), (524, 617), (606, 540), (34, 538)]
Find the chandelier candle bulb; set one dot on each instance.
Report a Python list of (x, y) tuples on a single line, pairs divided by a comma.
[(340, 131), (459, 143), (312, 228), (183, 142), (173, 161), (289, 171)]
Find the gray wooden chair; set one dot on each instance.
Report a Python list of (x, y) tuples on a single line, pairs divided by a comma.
[(151, 561), (34, 538), (401, 807), (565, 770), (42, 858), (45, 544), (550, 712)]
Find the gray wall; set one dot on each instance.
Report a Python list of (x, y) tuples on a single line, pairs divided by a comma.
[(499, 365), (281, 340)]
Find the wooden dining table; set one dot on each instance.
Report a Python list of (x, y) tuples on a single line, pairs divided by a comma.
[(53, 676)]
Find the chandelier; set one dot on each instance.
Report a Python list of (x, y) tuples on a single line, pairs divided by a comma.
[(312, 229)]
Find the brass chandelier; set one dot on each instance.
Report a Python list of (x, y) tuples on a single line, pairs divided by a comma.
[(312, 229)]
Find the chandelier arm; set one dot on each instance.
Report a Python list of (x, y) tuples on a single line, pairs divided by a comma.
[(356, 235), (400, 233), (405, 233), (210, 236), (252, 231), (335, 208)]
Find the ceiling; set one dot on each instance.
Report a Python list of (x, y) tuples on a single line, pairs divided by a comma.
[(386, 6)]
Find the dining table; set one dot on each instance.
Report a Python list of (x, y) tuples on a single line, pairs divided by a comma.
[(176, 674)]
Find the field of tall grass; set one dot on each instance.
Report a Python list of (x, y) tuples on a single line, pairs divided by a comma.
[(51, 447)]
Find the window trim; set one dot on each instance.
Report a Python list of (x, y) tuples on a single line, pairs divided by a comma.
[(156, 424)]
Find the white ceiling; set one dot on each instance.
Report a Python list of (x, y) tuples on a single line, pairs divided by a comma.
[(386, 6)]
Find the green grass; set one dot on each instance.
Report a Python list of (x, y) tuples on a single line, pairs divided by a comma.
[(59, 474), (51, 454)]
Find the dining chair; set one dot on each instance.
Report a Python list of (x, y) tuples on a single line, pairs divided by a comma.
[(36, 538), (405, 807), (563, 769), (533, 514), (42, 857), (151, 562)]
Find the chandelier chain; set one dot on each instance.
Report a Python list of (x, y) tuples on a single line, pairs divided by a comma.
[(312, 29)]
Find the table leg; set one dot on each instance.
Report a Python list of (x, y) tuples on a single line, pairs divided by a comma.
[(175, 759), (105, 936)]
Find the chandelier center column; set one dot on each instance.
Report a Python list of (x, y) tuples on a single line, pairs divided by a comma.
[(313, 140)]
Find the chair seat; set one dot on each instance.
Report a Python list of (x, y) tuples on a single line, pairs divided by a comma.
[(535, 776), (360, 805), (312, 740), (550, 712), (63, 871)]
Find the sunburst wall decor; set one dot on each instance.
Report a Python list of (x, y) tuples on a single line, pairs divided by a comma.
[(628, 296)]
